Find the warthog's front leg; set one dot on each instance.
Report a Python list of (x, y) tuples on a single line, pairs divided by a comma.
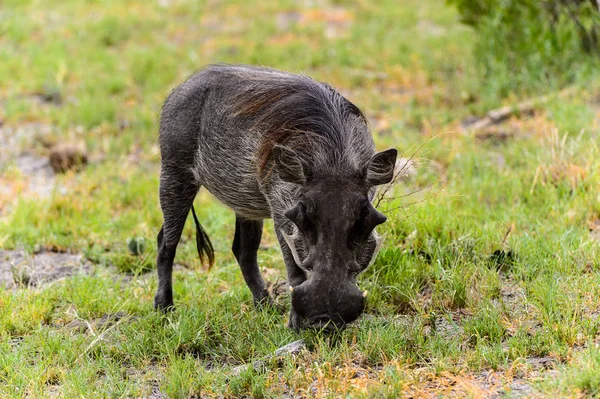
[(296, 275), (245, 246)]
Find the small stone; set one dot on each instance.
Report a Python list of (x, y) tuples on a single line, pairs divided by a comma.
[(64, 157)]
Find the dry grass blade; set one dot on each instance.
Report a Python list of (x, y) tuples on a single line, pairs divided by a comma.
[(99, 338), (401, 171)]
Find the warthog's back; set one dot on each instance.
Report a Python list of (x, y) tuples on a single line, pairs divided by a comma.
[(224, 121)]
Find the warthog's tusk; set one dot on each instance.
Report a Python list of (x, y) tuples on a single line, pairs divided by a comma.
[(291, 289), (365, 294)]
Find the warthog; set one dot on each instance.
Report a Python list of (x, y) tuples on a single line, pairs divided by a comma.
[(271, 144)]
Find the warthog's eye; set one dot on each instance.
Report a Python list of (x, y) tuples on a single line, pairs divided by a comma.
[(299, 216), (367, 220)]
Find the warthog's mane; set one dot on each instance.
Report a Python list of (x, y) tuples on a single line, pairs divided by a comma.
[(299, 112)]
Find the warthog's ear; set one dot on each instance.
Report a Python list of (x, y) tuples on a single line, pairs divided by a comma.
[(380, 169), (288, 165)]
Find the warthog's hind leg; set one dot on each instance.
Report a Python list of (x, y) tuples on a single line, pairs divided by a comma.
[(177, 193)]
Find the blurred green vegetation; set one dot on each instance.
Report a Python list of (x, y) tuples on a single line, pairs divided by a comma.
[(525, 45)]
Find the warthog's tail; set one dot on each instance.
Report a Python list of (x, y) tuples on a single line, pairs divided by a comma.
[(205, 248)]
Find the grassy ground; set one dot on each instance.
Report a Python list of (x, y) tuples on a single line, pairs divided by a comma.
[(489, 280)]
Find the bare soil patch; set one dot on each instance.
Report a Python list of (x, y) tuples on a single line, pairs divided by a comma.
[(36, 176), (30, 160), (18, 269)]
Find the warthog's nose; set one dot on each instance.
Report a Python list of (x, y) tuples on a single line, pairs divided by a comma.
[(326, 306)]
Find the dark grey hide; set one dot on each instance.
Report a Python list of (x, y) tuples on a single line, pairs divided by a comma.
[(271, 144)]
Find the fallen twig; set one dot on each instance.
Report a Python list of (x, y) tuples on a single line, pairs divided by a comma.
[(498, 115)]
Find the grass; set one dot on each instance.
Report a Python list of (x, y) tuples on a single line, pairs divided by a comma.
[(488, 265)]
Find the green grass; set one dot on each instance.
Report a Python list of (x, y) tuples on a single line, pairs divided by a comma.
[(452, 294)]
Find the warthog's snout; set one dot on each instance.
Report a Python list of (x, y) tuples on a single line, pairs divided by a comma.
[(327, 305)]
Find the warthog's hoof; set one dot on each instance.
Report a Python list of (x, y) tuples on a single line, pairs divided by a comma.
[(163, 302)]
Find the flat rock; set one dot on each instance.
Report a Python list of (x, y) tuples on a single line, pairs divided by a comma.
[(292, 348)]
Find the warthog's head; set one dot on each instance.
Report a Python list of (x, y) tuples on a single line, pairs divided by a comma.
[(334, 237)]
